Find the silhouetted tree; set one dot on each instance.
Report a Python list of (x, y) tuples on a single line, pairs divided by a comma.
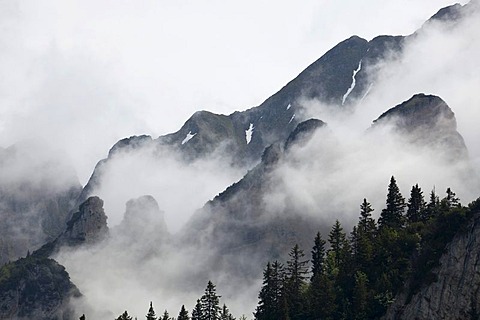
[(416, 205), (124, 316), (151, 313), (183, 314), (210, 303), (225, 314), (197, 311), (297, 268), (271, 297), (393, 215), (165, 316)]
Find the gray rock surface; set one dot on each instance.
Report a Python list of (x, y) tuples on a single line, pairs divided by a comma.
[(455, 295)]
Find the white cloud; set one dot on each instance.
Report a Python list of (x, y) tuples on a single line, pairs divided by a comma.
[(86, 73)]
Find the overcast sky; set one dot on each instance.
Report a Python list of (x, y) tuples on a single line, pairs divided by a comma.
[(84, 74)]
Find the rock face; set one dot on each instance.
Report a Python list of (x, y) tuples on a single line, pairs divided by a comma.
[(456, 293), (143, 229), (427, 120), (86, 227), (35, 288)]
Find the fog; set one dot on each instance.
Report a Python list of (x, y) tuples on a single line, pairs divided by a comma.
[(83, 75)]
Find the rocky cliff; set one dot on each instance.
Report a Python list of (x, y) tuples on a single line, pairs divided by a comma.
[(35, 288), (456, 292)]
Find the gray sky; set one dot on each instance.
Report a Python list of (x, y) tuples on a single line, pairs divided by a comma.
[(84, 74)]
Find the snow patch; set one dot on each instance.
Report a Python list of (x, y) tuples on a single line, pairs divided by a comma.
[(289, 106), (188, 137), (352, 86), (249, 133), (291, 119)]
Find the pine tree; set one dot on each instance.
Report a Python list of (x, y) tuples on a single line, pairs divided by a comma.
[(364, 237), (151, 313), (210, 303), (197, 311), (366, 223), (393, 215), (318, 256), (338, 244), (321, 290), (124, 316), (183, 314), (450, 201), (271, 296), (432, 208), (416, 205), (225, 314), (297, 268), (82, 317), (165, 316)]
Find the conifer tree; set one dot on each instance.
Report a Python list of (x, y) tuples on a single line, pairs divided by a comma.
[(450, 201), (151, 313), (338, 244), (360, 296), (364, 237), (297, 268), (197, 311), (393, 215), (210, 303), (321, 290), (124, 316), (183, 314), (271, 296), (416, 205), (165, 316), (225, 314), (366, 223), (318, 256)]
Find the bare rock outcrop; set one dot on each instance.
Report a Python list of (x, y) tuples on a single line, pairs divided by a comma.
[(455, 294)]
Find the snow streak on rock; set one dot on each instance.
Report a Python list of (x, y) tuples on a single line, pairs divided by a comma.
[(249, 133), (293, 117), (289, 106), (188, 137), (352, 86)]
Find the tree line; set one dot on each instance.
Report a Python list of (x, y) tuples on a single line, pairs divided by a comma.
[(357, 276), (354, 276)]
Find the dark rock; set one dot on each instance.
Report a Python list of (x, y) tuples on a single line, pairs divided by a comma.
[(87, 226), (427, 121), (35, 288), (303, 132)]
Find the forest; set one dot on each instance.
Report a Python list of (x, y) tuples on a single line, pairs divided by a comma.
[(355, 275)]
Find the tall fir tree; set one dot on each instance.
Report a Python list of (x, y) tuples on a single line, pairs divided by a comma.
[(183, 314), (393, 215), (210, 303), (365, 237), (151, 313), (271, 296), (321, 290), (318, 256), (338, 244), (197, 311), (416, 205), (297, 269)]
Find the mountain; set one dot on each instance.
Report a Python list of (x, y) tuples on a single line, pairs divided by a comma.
[(37, 190), (248, 223), (453, 294)]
